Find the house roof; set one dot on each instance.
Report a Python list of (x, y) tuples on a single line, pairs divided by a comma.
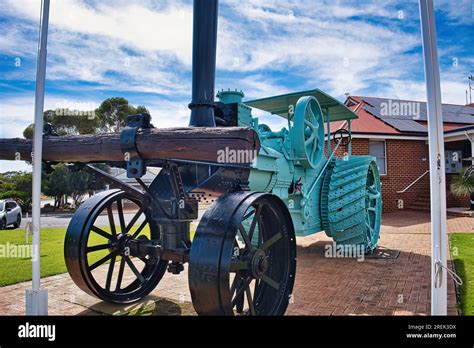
[(407, 117)]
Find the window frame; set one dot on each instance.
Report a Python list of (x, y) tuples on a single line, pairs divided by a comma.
[(384, 141)]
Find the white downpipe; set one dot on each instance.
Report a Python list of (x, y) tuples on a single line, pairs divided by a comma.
[(437, 164)]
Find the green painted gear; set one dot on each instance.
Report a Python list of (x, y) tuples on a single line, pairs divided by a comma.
[(351, 202)]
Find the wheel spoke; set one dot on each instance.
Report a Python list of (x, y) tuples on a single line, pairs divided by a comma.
[(310, 139), (240, 291), (101, 232), (250, 301), (254, 222), (250, 213), (134, 270), (374, 196), (121, 217), (268, 244), (97, 247), (244, 235), (235, 283), (266, 279), (120, 274), (101, 261), (238, 265), (134, 219), (111, 220), (110, 273), (139, 229)]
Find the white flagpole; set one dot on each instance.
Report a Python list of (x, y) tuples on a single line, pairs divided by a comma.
[(439, 294), (36, 298)]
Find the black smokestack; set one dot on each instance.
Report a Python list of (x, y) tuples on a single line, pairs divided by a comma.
[(204, 63)]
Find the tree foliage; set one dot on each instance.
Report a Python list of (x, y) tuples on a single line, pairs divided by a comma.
[(18, 186), (110, 116), (112, 113)]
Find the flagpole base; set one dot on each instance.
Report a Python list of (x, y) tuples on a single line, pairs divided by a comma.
[(37, 302)]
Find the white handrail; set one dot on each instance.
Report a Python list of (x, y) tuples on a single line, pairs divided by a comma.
[(414, 182)]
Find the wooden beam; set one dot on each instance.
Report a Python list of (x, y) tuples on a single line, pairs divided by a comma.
[(190, 143)]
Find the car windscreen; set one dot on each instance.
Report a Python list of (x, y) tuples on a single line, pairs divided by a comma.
[(1, 206)]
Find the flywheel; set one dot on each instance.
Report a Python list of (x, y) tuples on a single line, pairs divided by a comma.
[(351, 202)]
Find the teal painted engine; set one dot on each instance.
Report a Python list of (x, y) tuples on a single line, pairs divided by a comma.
[(341, 196)]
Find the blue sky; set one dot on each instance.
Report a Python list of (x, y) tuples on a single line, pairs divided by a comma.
[(141, 50)]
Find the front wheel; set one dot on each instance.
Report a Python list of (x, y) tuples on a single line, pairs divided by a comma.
[(243, 257), (96, 243), (3, 224)]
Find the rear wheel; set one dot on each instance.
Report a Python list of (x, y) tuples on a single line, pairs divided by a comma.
[(351, 202), (243, 257), (3, 224)]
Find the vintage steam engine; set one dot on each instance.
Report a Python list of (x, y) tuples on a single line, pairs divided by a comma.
[(264, 191)]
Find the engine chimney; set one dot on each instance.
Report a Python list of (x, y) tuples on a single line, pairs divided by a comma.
[(204, 63)]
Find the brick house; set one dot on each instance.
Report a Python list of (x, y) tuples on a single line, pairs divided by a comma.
[(395, 132)]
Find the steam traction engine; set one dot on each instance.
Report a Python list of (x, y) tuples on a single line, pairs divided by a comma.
[(242, 256)]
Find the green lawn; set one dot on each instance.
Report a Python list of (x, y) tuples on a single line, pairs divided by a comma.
[(14, 269), (462, 251)]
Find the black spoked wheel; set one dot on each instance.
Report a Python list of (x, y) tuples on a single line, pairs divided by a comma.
[(97, 248), (243, 257)]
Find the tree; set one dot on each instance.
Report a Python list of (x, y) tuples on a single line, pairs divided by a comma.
[(112, 113), (18, 186), (63, 182), (110, 116)]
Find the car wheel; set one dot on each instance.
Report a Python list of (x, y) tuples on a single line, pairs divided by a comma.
[(18, 221), (3, 224)]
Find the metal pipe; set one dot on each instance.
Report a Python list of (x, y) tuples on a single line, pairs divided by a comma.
[(439, 302), (36, 302), (204, 63)]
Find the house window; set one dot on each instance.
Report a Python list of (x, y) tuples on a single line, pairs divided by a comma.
[(377, 148)]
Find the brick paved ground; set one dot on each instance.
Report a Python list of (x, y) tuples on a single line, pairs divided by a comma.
[(324, 286)]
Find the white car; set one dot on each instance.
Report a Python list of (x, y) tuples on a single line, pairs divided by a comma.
[(10, 214)]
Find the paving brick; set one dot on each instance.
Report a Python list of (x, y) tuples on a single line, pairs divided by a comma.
[(322, 287)]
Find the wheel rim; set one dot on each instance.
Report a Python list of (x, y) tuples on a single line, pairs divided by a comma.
[(373, 203), (250, 267), (96, 252)]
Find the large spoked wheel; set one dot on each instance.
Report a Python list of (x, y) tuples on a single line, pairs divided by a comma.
[(243, 257), (308, 132), (97, 248), (373, 206)]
